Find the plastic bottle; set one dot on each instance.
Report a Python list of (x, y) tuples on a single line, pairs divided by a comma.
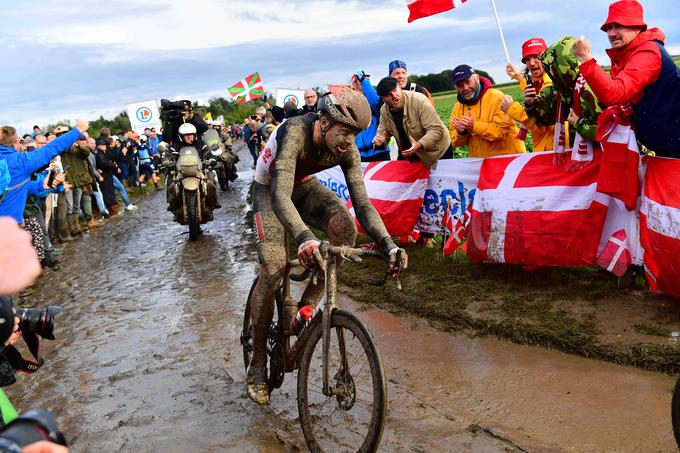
[(303, 315)]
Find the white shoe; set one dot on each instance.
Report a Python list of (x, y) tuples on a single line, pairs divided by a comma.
[(130, 207)]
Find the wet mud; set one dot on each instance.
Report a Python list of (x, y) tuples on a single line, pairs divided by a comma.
[(148, 358)]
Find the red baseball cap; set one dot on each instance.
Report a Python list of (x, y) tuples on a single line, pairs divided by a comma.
[(628, 13), (534, 46)]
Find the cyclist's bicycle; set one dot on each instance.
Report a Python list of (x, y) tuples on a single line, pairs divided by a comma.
[(675, 412), (341, 387)]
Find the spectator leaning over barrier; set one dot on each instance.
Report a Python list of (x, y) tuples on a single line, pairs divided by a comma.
[(364, 141), (397, 69), (310, 101), (570, 98), (643, 74), (413, 122), (477, 119), (80, 179), (534, 79), (22, 165)]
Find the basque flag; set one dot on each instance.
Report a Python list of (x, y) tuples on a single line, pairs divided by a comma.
[(425, 8), (247, 89)]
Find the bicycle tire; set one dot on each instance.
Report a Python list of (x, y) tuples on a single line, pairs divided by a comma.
[(675, 412), (246, 334), (275, 353), (348, 324)]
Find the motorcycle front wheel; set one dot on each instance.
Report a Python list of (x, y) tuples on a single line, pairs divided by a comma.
[(222, 178), (192, 214)]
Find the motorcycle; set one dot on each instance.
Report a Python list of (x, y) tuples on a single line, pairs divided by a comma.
[(225, 165), (191, 188)]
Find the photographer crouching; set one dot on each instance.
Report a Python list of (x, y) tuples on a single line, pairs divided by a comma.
[(35, 431)]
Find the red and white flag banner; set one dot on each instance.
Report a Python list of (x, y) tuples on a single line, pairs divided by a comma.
[(396, 190), (529, 211), (424, 8), (660, 224)]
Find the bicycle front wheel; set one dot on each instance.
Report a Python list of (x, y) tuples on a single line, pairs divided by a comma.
[(353, 419), (675, 412)]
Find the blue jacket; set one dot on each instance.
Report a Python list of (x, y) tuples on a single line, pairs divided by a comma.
[(22, 165), (364, 140)]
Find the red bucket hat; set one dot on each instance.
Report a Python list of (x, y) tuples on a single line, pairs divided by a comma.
[(534, 46), (628, 13)]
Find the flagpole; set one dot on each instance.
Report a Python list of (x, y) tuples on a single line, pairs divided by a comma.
[(500, 31)]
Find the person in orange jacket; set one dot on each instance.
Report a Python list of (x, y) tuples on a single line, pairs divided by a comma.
[(478, 121), (541, 135)]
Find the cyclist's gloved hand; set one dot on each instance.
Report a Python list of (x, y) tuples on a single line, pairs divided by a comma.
[(398, 260), (308, 254)]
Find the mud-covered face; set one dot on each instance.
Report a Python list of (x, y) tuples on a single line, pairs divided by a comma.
[(620, 36), (534, 66), (340, 137), (402, 77)]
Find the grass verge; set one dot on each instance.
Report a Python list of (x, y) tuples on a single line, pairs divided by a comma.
[(582, 311)]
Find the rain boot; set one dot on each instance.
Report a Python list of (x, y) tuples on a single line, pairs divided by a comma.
[(64, 233), (75, 224)]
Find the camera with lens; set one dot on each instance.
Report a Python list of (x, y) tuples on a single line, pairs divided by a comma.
[(30, 427), (172, 110), (39, 321)]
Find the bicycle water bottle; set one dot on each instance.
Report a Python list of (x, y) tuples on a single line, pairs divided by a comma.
[(303, 315), (290, 309)]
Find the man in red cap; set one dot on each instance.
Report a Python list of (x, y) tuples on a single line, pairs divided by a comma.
[(531, 81), (643, 75)]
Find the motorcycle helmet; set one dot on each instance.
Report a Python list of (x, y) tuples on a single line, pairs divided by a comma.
[(346, 106), (186, 129)]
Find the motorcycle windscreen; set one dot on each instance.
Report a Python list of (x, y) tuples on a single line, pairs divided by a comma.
[(213, 142), (189, 161)]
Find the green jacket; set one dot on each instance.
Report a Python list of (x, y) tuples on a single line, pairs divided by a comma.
[(78, 174), (562, 67)]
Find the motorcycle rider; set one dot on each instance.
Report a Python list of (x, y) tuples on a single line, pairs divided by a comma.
[(287, 197)]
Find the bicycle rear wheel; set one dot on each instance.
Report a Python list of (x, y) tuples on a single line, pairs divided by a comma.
[(675, 412), (353, 420)]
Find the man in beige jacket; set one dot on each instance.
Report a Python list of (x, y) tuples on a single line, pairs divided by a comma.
[(410, 118)]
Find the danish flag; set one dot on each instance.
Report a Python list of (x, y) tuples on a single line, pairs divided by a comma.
[(615, 256), (660, 224), (529, 211), (425, 8), (396, 190), (458, 232)]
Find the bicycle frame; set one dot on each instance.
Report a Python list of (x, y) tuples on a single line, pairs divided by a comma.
[(324, 309)]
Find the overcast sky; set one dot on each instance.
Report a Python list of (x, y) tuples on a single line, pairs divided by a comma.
[(69, 59)]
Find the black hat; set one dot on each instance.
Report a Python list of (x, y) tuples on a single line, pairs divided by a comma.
[(461, 72), (386, 85), (278, 113), (101, 141)]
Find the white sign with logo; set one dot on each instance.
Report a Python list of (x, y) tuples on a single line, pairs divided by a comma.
[(284, 95), (144, 115)]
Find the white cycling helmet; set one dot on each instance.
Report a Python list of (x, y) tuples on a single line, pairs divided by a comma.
[(186, 129)]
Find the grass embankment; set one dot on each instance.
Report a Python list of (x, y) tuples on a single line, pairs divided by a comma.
[(582, 311)]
